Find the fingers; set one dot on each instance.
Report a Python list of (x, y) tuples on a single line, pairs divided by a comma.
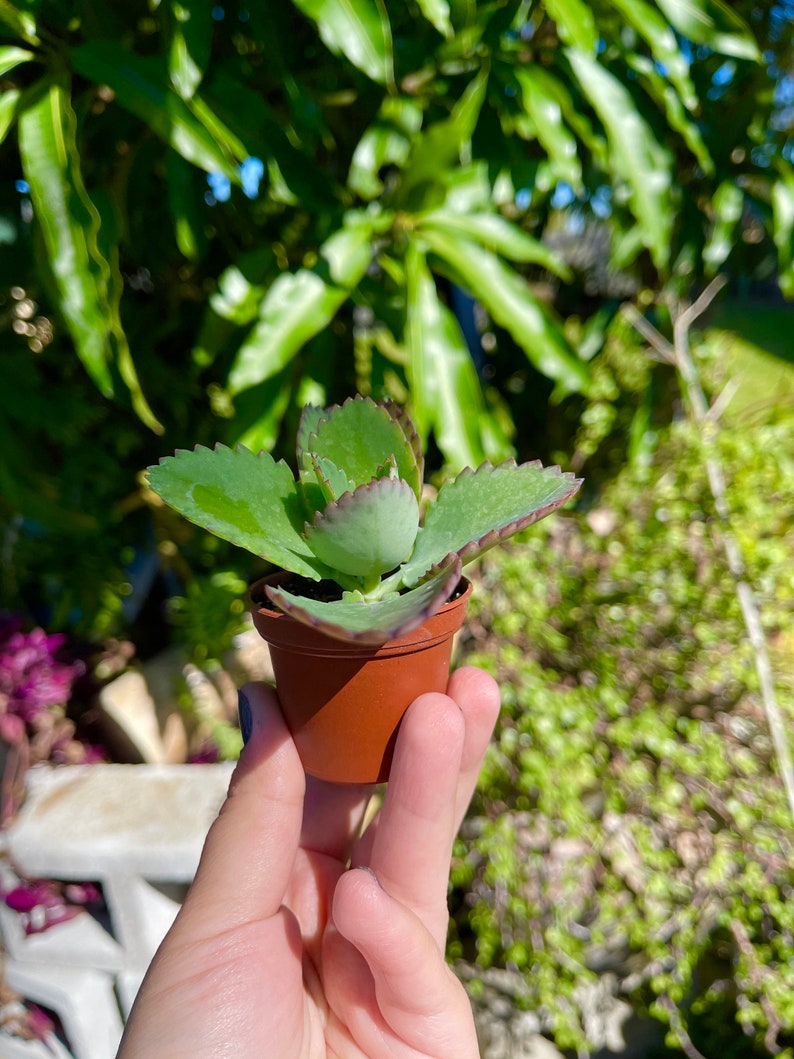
[(424, 850), (333, 813), (477, 694), (418, 997), (412, 843), (250, 849)]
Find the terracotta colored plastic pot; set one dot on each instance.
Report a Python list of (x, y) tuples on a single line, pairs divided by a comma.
[(344, 703)]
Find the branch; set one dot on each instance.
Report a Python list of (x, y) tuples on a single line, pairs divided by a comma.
[(680, 355)]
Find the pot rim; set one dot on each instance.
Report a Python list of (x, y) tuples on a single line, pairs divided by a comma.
[(286, 633)]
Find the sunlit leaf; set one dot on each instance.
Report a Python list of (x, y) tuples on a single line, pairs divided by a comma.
[(437, 12), (357, 28), (21, 23), (657, 32), (636, 155), (299, 305), (189, 45), (141, 85), (386, 142), (479, 508), (713, 23), (508, 299), (446, 396), (11, 57), (727, 205), (783, 227), (543, 107), (439, 147), (87, 283), (575, 22), (495, 233), (249, 500)]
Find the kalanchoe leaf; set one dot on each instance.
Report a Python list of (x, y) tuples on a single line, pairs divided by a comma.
[(311, 417), (480, 508), (374, 623), (360, 436), (322, 483), (398, 413), (367, 532), (248, 500)]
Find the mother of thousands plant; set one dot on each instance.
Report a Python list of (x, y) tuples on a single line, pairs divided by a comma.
[(368, 565)]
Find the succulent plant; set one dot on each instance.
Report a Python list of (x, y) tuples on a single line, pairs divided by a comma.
[(352, 520)]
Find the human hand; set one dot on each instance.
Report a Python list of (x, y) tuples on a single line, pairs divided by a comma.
[(280, 951)]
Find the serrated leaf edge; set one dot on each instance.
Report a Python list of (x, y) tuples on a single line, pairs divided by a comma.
[(375, 638)]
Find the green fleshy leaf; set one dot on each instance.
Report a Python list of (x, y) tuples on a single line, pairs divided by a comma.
[(322, 483), (543, 100), (374, 623), (368, 532), (713, 23), (359, 436), (310, 419), (11, 56), (480, 508), (249, 500)]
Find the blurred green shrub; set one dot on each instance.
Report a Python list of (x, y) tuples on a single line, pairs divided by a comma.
[(630, 817)]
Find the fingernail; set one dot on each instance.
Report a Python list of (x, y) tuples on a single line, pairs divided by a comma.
[(244, 714), (369, 871)]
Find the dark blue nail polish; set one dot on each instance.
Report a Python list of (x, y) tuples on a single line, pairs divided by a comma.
[(244, 713)]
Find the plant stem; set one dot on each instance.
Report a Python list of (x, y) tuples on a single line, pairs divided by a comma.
[(679, 354)]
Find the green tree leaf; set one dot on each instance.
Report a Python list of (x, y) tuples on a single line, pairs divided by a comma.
[(141, 86), (299, 305), (437, 13), (70, 225), (357, 28), (9, 105), (11, 57), (727, 206), (575, 23), (636, 155), (477, 509), (508, 299), (713, 23), (386, 142), (21, 23), (439, 147), (542, 101), (783, 226), (495, 233), (446, 396), (249, 500), (189, 45), (657, 32)]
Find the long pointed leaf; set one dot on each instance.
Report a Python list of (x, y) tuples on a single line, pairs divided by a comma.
[(299, 305), (476, 510), (142, 87), (249, 500), (575, 22), (446, 392), (713, 23), (543, 106), (495, 233), (508, 299), (11, 57), (637, 156), (357, 28)]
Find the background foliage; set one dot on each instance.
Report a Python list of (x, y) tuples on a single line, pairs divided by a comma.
[(630, 821), (214, 213)]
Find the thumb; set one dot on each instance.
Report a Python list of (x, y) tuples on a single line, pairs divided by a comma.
[(250, 849)]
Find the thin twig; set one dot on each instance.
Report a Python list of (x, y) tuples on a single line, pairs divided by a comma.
[(680, 355)]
